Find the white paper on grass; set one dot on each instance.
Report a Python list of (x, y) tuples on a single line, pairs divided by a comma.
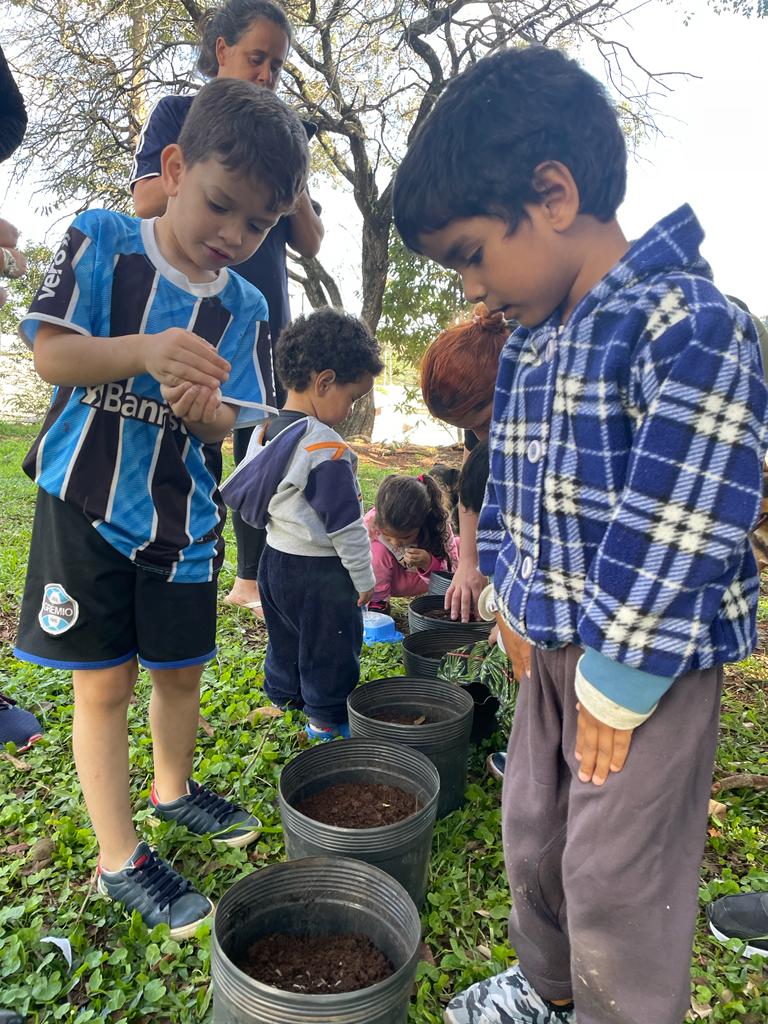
[(63, 944)]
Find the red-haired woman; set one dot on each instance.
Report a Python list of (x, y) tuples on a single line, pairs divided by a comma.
[(458, 378), (458, 375)]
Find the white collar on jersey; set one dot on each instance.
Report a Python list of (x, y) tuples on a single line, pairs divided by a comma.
[(202, 289)]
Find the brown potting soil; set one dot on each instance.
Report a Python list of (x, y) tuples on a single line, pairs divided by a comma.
[(316, 964), (444, 614), (359, 805), (398, 717)]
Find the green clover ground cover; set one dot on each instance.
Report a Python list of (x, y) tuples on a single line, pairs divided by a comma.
[(120, 972)]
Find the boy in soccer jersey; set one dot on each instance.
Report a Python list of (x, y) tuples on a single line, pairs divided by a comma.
[(156, 351), (626, 446)]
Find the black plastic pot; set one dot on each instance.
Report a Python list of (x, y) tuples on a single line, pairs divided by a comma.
[(401, 849), (422, 654), (444, 738), (484, 720), (317, 896), (439, 581), (418, 620), (424, 650)]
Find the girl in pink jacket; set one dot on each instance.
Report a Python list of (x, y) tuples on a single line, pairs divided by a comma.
[(410, 536)]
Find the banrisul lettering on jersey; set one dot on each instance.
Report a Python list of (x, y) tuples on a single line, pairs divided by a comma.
[(115, 397), (58, 611)]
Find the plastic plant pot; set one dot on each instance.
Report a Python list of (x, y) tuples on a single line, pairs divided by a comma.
[(402, 849), (425, 649), (439, 581), (317, 896), (443, 737), (419, 619)]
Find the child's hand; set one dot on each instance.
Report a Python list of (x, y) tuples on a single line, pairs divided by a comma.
[(516, 649), (600, 749), (177, 356), (193, 402), (364, 598), (468, 583), (417, 558)]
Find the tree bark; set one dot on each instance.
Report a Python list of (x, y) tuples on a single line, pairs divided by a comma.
[(376, 228)]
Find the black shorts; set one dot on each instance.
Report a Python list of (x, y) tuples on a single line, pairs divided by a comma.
[(86, 606)]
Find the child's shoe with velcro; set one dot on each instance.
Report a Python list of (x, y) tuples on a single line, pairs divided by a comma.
[(328, 732), (207, 814), (506, 998), (161, 895)]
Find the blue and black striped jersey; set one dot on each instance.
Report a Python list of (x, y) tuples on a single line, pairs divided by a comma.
[(116, 450)]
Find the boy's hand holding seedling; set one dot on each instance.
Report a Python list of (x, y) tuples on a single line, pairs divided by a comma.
[(194, 402), (364, 598), (600, 748), (177, 356)]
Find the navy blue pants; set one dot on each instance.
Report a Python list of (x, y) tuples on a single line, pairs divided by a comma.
[(315, 633)]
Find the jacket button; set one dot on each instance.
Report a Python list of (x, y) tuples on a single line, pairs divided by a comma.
[(526, 569), (535, 450)]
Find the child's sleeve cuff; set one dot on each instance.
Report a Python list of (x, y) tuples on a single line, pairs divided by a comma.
[(606, 710), (616, 693)]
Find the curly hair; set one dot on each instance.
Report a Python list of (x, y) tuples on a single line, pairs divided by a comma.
[(476, 153), (327, 339), (458, 370), (230, 22), (405, 503)]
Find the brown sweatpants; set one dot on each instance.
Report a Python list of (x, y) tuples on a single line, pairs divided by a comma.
[(604, 879)]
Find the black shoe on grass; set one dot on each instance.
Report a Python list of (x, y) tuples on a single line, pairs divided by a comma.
[(207, 814), (743, 917), (160, 894)]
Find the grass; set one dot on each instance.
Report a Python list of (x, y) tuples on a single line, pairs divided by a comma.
[(120, 972)]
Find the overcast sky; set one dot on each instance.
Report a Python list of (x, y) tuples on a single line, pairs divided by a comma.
[(713, 152)]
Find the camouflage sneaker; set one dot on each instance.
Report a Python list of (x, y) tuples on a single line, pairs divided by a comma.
[(507, 998)]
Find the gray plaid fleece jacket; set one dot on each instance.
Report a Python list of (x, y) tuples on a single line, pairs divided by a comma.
[(626, 452)]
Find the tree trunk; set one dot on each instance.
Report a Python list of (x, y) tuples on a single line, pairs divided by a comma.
[(138, 92), (360, 421)]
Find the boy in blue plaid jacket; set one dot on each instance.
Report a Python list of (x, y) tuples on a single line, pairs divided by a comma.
[(628, 433)]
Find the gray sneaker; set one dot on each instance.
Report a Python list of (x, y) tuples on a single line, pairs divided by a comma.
[(506, 998), (160, 894), (207, 814)]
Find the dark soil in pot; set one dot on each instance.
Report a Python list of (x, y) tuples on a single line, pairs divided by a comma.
[(316, 964), (400, 717), (428, 613), (444, 615), (359, 805)]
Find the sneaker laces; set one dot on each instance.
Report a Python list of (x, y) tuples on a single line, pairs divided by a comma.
[(161, 881), (207, 800)]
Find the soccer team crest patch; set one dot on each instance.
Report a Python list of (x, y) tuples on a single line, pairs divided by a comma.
[(59, 611)]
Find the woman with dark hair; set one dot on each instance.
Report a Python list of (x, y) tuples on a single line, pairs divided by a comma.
[(249, 40)]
